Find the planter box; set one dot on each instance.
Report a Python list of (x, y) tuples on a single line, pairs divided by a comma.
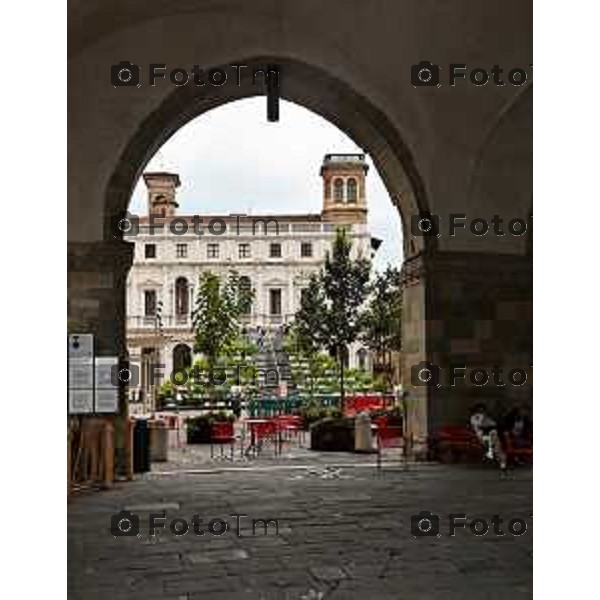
[(332, 435), (199, 432), (202, 431)]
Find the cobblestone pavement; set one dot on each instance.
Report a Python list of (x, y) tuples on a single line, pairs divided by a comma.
[(344, 532)]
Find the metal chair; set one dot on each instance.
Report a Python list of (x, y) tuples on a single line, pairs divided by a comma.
[(222, 432)]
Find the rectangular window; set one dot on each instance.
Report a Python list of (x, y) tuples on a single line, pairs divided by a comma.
[(275, 302), (244, 250), (306, 250), (275, 251), (150, 250), (181, 250), (212, 251), (150, 303)]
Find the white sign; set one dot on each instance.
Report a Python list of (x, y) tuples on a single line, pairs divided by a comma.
[(81, 401), (80, 345), (107, 400), (81, 374), (90, 381), (104, 371), (107, 395)]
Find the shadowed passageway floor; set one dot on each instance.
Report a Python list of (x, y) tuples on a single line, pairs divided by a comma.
[(344, 533)]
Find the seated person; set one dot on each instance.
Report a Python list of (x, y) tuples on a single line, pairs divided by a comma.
[(485, 429), (516, 429)]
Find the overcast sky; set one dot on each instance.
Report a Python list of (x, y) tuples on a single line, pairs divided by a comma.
[(232, 160)]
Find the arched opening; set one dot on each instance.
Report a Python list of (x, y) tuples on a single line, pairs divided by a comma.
[(182, 357), (351, 191), (361, 359), (328, 97), (182, 298), (308, 86), (338, 190)]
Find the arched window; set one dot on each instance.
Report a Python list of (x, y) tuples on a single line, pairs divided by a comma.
[(351, 194), (361, 359), (338, 190), (246, 288), (182, 358), (182, 297)]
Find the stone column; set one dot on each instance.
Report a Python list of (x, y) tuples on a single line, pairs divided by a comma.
[(469, 309), (96, 285)]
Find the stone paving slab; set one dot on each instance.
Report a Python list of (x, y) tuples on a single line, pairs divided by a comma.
[(342, 537)]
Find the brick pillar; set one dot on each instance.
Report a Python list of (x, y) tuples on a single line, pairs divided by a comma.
[(96, 284), (473, 309)]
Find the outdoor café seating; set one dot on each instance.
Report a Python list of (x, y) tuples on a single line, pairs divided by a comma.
[(222, 433), (388, 435)]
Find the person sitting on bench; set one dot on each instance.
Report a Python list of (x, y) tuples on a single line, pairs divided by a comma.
[(516, 429), (486, 430)]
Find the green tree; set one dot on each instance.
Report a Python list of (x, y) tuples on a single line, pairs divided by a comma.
[(382, 332), (331, 313), (308, 328), (219, 306)]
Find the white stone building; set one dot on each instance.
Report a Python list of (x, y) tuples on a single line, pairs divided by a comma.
[(276, 252)]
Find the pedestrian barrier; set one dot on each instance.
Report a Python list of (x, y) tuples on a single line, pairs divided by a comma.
[(90, 453)]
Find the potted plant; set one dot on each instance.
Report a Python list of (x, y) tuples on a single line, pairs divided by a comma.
[(334, 434), (199, 428)]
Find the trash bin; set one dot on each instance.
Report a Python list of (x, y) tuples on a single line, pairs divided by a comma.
[(363, 436), (141, 446), (159, 441)]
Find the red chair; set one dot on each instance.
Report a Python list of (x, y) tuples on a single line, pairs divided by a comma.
[(290, 426), (454, 443), (222, 432), (264, 431), (388, 436)]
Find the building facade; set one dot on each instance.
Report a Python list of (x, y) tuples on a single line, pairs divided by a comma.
[(277, 253)]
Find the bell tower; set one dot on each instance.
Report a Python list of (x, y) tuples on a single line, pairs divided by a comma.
[(161, 193), (344, 199)]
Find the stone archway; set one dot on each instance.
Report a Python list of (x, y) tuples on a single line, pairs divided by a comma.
[(444, 317), (332, 99), (301, 83)]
